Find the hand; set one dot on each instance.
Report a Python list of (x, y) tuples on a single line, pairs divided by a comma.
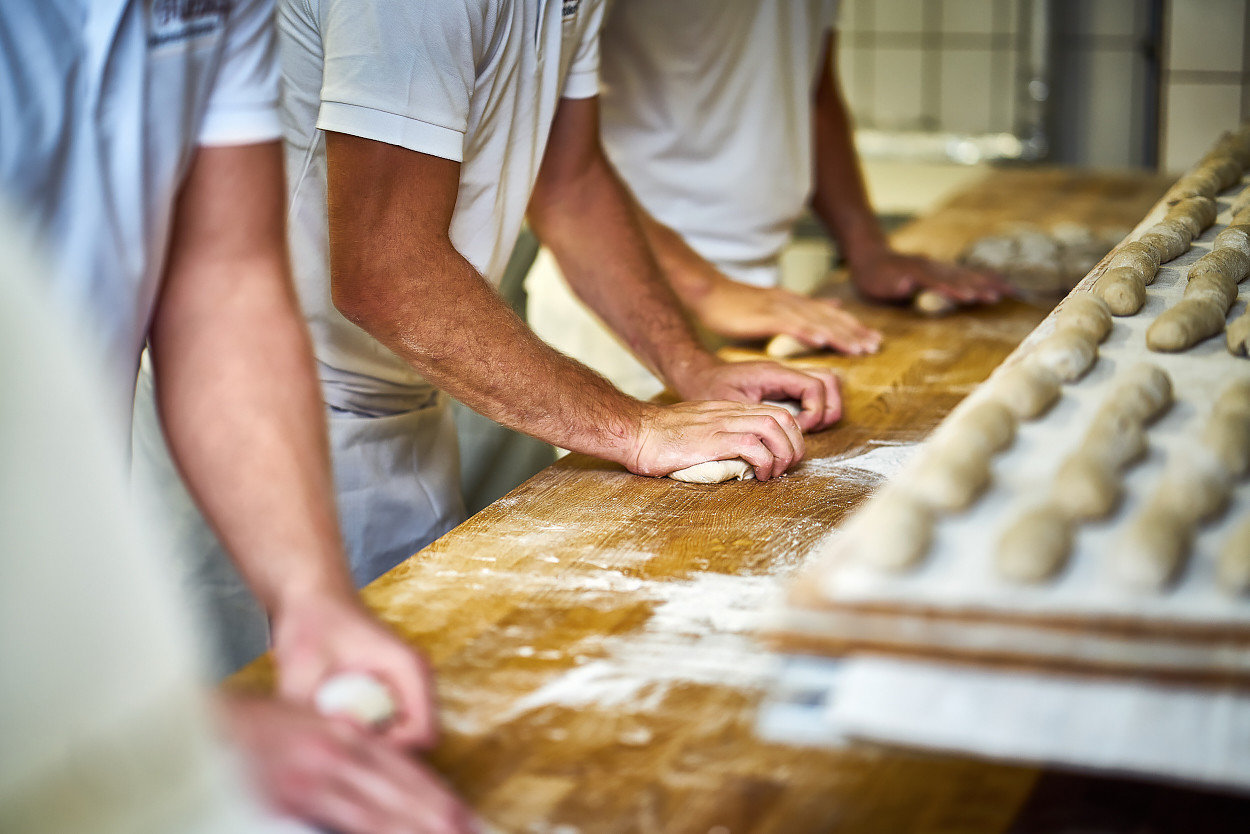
[(329, 773), (327, 635), (890, 276), (741, 311), (816, 389), (676, 436)]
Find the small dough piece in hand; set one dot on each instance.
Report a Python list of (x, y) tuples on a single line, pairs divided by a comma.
[(784, 346), (1027, 390), (1035, 546), (356, 695), (1233, 568), (932, 303), (1123, 289), (1185, 325), (1086, 487), (1154, 547), (1085, 313), (715, 472), (894, 531), (948, 478), (1067, 353)]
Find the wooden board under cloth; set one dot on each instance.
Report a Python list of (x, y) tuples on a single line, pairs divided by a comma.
[(593, 631), (954, 607)]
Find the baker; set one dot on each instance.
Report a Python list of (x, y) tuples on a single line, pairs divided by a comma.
[(726, 127), (140, 142), (417, 136)]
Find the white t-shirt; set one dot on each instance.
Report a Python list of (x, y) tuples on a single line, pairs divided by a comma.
[(707, 115), (102, 104), (476, 81), (104, 723)]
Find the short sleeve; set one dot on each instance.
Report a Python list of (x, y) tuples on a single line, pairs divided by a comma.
[(583, 78), (243, 106), (401, 71)]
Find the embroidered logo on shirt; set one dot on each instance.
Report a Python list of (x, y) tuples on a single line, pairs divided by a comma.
[(171, 21), (570, 7)]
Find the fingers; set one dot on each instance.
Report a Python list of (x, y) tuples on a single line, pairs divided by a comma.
[(822, 325), (412, 686), (402, 795), (775, 430), (825, 407)]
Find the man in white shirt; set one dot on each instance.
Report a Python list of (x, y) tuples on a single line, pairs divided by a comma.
[(138, 139), (726, 127), (417, 136)]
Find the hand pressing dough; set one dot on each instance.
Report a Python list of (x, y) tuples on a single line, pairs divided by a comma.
[(1086, 314), (1067, 353), (785, 346), (356, 695), (715, 472), (1153, 549), (735, 469), (948, 479), (893, 532), (1035, 546), (1025, 389), (1123, 290), (1086, 487), (1233, 567), (1185, 325), (932, 303)]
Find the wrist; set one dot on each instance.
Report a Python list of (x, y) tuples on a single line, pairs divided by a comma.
[(686, 372)]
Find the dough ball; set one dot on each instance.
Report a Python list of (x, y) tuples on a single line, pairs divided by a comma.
[(784, 346), (715, 472), (1123, 289), (932, 303), (984, 428), (1169, 240), (1238, 335), (1184, 325), (893, 532), (1139, 256), (1200, 211), (1195, 485), (1035, 546), (356, 695), (1115, 437), (1027, 390), (949, 479), (1229, 439), (1153, 549), (1234, 237), (1086, 487), (1067, 353), (1232, 570), (1085, 313), (1143, 392)]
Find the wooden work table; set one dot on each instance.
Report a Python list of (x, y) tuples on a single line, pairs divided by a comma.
[(593, 631)]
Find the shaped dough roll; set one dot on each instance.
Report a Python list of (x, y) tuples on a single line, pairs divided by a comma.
[(784, 346), (1184, 325), (1123, 289), (893, 532), (1153, 549), (983, 429), (1025, 389), (1035, 546), (1067, 353), (949, 479), (1086, 487), (1238, 335), (1170, 240), (1143, 392), (715, 472), (1233, 567), (1085, 313), (1234, 237), (1139, 256)]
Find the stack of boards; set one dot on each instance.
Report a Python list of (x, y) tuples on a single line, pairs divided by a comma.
[(1088, 507)]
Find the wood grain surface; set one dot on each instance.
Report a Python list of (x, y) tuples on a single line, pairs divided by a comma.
[(593, 632)]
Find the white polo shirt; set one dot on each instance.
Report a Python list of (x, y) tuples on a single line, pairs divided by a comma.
[(707, 115), (102, 103), (476, 81)]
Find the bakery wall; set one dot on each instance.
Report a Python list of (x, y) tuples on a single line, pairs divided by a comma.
[(1127, 83)]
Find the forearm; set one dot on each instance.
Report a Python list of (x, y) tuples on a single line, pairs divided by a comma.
[(840, 197), (242, 412), (603, 244)]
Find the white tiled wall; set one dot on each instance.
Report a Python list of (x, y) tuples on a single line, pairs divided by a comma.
[(1206, 79)]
